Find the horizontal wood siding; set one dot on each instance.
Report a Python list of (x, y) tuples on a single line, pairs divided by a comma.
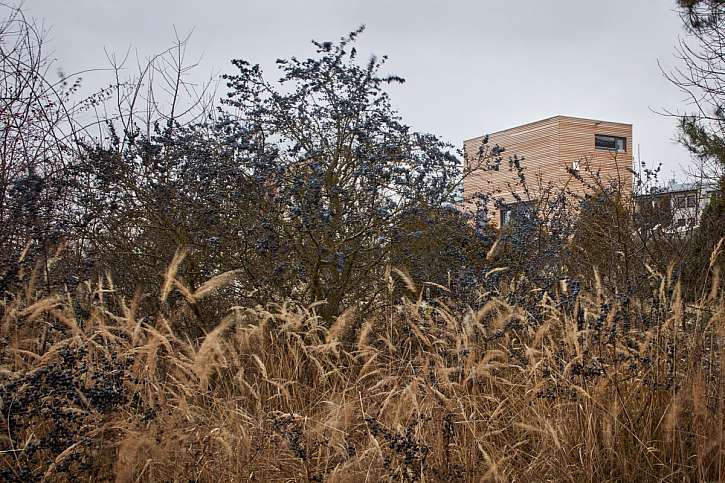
[(548, 147), (537, 142), (577, 144)]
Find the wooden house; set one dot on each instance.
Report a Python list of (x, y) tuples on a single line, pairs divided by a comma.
[(552, 152)]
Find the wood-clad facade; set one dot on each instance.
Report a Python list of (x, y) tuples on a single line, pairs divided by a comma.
[(548, 147)]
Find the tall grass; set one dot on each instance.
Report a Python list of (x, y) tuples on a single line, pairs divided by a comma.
[(593, 388)]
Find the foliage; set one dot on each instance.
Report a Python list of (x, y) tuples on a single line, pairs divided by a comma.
[(282, 286), (442, 248), (605, 241), (700, 76), (712, 230), (36, 148), (94, 387), (343, 171), (701, 13), (181, 187)]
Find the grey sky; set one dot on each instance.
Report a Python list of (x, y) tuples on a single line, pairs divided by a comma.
[(471, 66)]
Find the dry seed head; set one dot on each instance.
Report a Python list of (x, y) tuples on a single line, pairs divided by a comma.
[(214, 284), (340, 325), (211, 351), (407, 280), (493, 251), (170, 276), (364, 335), (716, 252)]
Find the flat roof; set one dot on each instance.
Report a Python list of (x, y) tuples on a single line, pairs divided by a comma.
[(560, 116), (674, 188)]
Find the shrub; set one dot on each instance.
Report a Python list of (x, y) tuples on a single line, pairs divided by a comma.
[(594, 388)]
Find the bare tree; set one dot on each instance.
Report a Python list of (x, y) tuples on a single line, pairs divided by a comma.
[(37, 145), (701, 76)]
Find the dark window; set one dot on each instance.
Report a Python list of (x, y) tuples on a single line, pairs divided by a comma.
[(679, 201), (610, 143), (691, 201), (481, 218), (506, 216), (519, 212), (680, 222)]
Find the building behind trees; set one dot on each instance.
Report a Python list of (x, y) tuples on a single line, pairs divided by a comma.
[(560, 152)]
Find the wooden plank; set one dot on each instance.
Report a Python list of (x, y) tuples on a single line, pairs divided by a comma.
[(548, 148)]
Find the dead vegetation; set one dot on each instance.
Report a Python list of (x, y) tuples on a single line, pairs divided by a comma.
[(596, 389)]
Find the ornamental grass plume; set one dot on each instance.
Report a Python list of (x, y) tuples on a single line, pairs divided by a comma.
[(585, 386)]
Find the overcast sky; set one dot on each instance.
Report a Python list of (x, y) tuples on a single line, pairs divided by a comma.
[(472, 66)]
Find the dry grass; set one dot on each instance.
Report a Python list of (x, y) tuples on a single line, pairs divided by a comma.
[(598, 390)]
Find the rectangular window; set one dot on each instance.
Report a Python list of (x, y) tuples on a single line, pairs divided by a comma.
[(679, 201), (505, 214), (518, 212), (610, 143), (681, 222), (481, 217), (692, 201)]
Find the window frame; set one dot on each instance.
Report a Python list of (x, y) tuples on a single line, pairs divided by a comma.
[(614, 139), (516, 208)]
